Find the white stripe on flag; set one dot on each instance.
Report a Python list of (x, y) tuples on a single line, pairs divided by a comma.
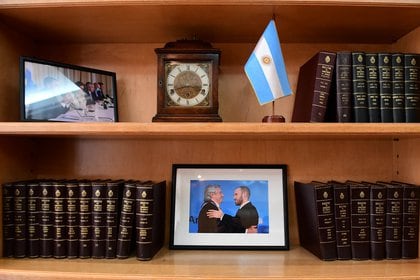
[(265, 59)]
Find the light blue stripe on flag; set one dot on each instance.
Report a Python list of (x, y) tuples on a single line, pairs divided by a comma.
[(265, 67)]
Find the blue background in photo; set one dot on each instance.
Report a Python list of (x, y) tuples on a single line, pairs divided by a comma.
[(259, 198)]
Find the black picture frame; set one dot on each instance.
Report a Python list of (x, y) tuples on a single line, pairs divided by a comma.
[(268, 188), (53, 91)]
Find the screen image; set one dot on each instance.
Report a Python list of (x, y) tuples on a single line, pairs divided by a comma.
[(60, 92)]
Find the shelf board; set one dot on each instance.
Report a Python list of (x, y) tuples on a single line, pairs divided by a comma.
[(231, 130), (294, 264), (159, 21)]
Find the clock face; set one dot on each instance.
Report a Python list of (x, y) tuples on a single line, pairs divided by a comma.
[(187, 84)]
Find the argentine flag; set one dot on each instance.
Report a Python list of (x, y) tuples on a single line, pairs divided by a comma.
[(265, 67)]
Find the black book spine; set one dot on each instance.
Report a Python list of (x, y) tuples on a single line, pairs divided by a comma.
[(98, 219), (410, 240), (144, 220), (113, 190), (59, 220), (33, 214), (344, 87), (20, 220), (360, 221), (85, 220), (150, 221), (127, 217), (372, 87), (342, 220), (46, 221), (8, 220), (316, 221), (72, 211), (394, 221), (412, 87), (377, 221), (385, 87), (398, 92), (360, 98)]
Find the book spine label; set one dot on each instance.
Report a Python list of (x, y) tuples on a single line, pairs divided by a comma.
[(410, 241), (372, 87), (342, 221), (112, 209), (398, 93), (344, 87), (385, 87), (72, 210), (98, 219), (324, 73), (85, 220), (412, 87), (20, 220), (326, 220), (8, 220), (360, 98), (33, 212), (144, 221), (127, 217), (360, 222), (46, 221), (394, 221), (59, 220), (316, 222), (377, 221)]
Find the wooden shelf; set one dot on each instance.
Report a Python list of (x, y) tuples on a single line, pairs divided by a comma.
[(213, 130), (298, 21), (294, 264), (120, 36)]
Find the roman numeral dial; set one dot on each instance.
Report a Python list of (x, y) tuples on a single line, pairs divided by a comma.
[(188, 84)]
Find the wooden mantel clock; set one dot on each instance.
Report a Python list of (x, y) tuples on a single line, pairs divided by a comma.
[(187, 82)]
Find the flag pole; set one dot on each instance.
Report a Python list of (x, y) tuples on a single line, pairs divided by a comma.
[(273, 117), (266, 71), (273, 108)]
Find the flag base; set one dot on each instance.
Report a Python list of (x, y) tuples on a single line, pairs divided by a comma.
[(274, 118)]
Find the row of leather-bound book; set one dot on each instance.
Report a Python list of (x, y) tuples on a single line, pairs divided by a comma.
[(358, 220), (83, 218), (358, 86)]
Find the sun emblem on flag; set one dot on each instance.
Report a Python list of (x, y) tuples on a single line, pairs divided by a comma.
[(266, 59)]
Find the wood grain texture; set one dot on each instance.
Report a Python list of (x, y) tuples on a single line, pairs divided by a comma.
[(296, 264), (210, 131), (162, 21), (208, 2)]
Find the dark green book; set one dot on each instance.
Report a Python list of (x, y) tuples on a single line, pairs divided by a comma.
[(398, 91), (412, 87), (372, 87), (385, 87)]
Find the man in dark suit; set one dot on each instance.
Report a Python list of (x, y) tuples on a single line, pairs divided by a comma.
[(246, 218), (213, 196)]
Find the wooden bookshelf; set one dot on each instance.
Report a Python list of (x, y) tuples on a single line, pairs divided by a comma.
[(214, 131), (121, 36), (295, 264)]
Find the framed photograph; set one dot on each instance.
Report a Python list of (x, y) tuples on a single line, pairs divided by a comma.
[(52, 91), (229, 207)]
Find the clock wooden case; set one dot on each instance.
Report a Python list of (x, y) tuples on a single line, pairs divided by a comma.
[(187, 82)]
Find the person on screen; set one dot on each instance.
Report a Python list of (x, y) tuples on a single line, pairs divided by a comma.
[(213, 196), (99, 95), (246, 218)]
